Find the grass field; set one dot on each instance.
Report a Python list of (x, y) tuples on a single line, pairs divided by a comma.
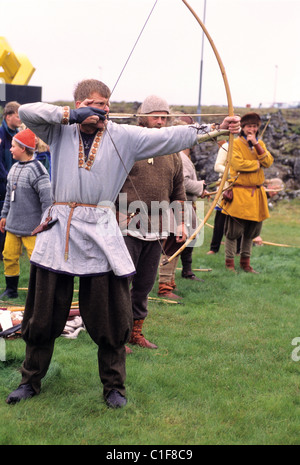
[(226, 371)]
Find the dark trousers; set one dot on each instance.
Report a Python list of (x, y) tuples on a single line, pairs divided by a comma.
[(218, 231), (104, 303), (145, 256), (170, 247), (186, 260)]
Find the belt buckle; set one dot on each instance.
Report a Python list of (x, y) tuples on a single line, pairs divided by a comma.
[(72, 204)]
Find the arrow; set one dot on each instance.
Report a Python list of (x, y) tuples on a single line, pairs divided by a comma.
[(170, 115)]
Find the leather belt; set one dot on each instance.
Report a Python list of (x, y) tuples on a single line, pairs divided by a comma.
[(72, 206), (253, 188)]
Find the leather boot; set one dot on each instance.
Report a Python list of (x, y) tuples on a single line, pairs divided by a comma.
[(229, 264), (245, 265), (169, 296), (11, 291), (138, 338), (166, 291), (166, 276)]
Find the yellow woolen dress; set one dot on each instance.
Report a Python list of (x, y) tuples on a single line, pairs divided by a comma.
[(249, 196)]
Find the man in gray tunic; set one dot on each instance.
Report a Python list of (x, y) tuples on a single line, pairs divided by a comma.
[(79, 236)]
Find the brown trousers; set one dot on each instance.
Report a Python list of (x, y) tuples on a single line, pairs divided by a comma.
[(104, 303), (235, 228)]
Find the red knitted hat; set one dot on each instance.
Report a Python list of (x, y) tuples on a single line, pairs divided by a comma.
[(26, 138)]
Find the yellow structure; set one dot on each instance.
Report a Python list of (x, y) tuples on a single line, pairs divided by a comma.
[(17, 68)]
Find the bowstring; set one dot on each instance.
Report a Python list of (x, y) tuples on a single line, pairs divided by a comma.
[(133, 48), (110, 136), (113, 89)]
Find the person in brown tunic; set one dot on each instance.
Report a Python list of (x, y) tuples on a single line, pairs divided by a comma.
[(152, 182)]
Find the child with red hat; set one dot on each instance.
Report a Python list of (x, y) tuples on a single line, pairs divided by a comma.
[(25, 139), (28, 194)]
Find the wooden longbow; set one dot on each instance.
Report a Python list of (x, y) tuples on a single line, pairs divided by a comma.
[(230, 141)]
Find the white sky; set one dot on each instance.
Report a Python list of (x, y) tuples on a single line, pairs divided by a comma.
[(70, 40)]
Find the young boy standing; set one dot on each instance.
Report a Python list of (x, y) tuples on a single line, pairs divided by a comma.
[(28, 194)]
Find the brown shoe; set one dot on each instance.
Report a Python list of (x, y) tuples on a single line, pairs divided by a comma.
[(210, 252), (245, 265), (138, 338), (169, 295), (143, 342), (229, 264)]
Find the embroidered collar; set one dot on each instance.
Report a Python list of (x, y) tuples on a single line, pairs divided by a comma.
[(88, 162)]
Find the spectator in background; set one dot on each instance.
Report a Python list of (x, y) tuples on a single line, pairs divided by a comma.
[(28, 194), (249, 206), (42, 154), (9, 128), (151, 181), (219, 220), (194, 189)]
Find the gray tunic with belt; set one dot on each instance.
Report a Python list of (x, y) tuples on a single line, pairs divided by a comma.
[(96, 245)]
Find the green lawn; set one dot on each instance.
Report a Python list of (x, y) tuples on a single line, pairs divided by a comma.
[(223, 373)]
